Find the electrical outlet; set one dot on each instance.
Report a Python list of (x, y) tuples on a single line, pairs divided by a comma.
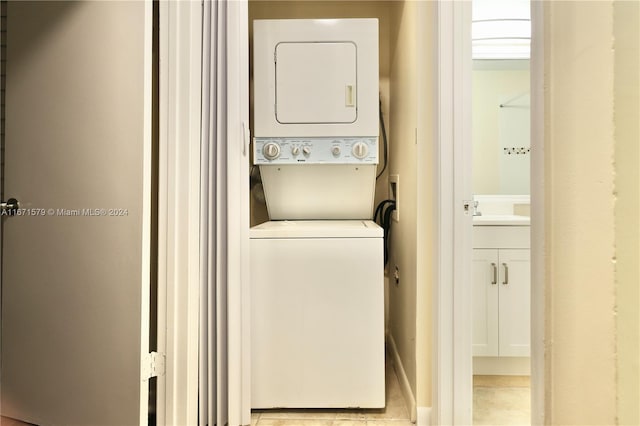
[(394, 194)]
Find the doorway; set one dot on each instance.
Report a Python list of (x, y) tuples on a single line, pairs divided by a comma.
[(453, 386), (501, 260)]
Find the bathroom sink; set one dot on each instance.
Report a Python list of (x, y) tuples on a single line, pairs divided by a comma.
[(501, 220)]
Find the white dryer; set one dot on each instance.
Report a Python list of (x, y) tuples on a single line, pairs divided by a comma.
[(317, 315), (316, 116)]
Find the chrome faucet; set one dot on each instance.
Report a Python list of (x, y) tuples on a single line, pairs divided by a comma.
[(475, 209)]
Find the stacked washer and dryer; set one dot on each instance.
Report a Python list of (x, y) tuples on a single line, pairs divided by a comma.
[(317, 297)]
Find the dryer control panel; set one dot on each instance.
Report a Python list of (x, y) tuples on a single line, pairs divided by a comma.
[(315, 151)]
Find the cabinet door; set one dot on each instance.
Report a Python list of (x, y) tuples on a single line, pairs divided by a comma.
[(515, 296), (485, 302)]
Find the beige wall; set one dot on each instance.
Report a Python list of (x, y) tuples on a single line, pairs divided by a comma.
[(403, 86), (427, 90), (413, 90), (580, 382), (627, 213), (491, 87)]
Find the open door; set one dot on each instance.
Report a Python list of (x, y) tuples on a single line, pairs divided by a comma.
[(75, 267)]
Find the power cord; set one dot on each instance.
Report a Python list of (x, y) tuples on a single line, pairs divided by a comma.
[(382, 217), (384, 140)]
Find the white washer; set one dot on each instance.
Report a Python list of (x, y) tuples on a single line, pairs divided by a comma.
[(317, 315)]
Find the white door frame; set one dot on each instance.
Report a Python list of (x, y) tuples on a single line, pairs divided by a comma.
[(147, 167), (452, 368), (239, 356), (452, 354), (538, 307), (179, 210)]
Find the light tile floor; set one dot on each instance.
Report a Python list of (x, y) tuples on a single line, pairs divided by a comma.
[(497, 400), (395, 413), (501, 400)]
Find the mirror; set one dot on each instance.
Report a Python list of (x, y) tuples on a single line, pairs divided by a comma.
[(501, 127)]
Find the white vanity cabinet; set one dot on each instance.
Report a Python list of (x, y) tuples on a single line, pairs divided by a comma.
[(501, 291)]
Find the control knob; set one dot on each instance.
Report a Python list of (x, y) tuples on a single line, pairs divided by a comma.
[(306, 151), (360, 150), (295, 150), (335, 151), (271, 151)]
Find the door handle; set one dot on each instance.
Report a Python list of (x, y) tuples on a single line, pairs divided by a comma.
[(495, 273), (246, 137), (506, 274), (9, 207)]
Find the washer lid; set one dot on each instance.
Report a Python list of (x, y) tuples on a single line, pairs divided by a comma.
[(317, 229)]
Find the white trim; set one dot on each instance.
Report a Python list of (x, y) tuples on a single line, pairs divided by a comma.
[(147, 142), (179, 209), (403, 380), (424, 150), (443, 267), (424, 416), (452, 387), (537, 215), (463, 225), (162, 400), (208, 317), (238, 213)]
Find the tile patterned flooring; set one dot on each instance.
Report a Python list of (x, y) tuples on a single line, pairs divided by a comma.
[(501, 400), (497, 400)]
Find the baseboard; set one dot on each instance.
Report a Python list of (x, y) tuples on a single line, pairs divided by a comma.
[(405, 387), (501, 366), (424, 416)]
